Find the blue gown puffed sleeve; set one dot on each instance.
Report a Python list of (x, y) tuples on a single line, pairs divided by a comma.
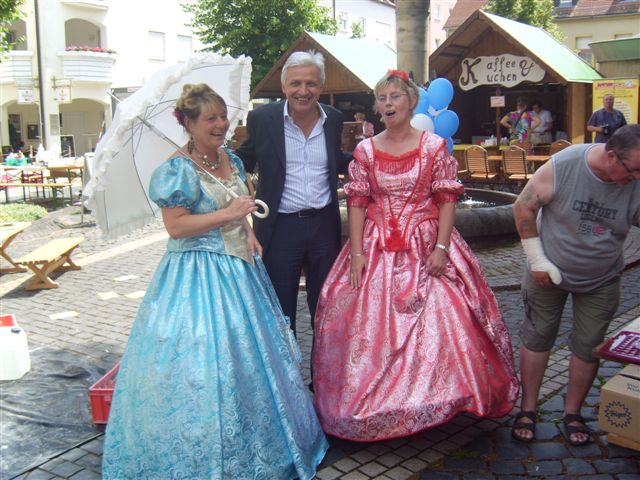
[(175, 183)]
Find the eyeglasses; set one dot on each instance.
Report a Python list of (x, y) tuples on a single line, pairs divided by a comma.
[(394, 97), (626, 167)]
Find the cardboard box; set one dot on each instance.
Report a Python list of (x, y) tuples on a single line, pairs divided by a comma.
[(620, 405)]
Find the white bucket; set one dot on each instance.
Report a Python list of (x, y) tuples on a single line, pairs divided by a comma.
[(14, 350)]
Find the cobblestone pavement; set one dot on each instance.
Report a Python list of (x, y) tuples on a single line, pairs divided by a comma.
[(91, 313)]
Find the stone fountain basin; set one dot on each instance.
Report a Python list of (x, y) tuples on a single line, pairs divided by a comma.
[(495, 219)]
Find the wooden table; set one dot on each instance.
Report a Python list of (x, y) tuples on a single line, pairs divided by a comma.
[(528, 158), (12, 176), (9, 231)]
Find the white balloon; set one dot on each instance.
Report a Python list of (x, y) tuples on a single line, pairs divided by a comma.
[(423, 122)]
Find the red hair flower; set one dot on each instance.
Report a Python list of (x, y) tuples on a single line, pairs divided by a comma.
[(399, 73), (179, 116)]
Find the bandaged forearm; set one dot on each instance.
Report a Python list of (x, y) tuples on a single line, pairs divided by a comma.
[(538, 261)]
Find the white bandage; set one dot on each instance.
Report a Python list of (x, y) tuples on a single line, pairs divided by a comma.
[(538, 261)]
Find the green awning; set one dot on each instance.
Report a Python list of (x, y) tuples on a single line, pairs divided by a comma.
[(616, 50), (554, 54)]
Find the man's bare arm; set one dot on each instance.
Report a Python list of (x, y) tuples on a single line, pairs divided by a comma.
[(536, 193)]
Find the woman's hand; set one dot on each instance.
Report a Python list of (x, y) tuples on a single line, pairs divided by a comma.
[(240, 207), (254, 244), (358, 263), (437, 262)]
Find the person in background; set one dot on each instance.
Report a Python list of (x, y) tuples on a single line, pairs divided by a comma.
[(606, 120), (209, 384), (367, 127), (408, 333), (543, 132), (295, 147), (520, 122), (573, 217)]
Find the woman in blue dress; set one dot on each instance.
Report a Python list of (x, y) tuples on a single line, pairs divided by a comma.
[(209, 386)]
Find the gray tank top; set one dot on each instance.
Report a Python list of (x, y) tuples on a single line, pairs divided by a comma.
[(584, 227)]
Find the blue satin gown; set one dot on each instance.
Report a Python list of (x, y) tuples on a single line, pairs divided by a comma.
[(209, 385)]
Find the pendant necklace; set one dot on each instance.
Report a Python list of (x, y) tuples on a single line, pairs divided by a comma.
[(212, 164)]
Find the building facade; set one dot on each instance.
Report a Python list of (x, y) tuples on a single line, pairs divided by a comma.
[(375, 19), (54, 85)]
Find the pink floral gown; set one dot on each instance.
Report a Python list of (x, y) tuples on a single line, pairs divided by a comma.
[(407, 351)]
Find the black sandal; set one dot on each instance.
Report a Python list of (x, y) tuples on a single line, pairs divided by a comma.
[(518, 425), (571, 429)]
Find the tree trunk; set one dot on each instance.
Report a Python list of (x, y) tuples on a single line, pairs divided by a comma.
[(411, 34)]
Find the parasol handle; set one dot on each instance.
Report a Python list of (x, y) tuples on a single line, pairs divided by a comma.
[(260, 203)]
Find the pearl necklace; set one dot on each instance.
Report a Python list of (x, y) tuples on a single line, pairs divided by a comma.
[(212, 164)]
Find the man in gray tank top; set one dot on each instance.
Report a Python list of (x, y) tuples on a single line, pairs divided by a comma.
[(573, 218)]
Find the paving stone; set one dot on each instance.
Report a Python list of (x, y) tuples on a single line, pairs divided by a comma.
[(399, 473), (544, 468), (51, 464), (328, 473), (437, 476), (508, 467), (372, 469), (588, 450), (477, 476), (513, 451), (483, 445), (577, 466), (355, 476), (406, 451), (414, 464), (363, 456), (430, 456), (549, 451), (554, 404), (92, 461), (65, 469), (39, 475), (546, 430), (628, 476), (94, 446), (346, 464), (73, 455), (86, 475), (615, 465), (389, 459), (464, 464)]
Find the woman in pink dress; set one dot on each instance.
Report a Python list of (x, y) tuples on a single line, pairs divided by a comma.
[(407, 334)]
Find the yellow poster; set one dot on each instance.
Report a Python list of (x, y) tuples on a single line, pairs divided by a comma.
[(625, 91)]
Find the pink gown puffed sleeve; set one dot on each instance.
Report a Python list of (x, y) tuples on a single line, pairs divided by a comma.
[(358, 188), (445, 187)]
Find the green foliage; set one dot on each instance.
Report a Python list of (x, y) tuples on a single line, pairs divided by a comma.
[(357, 30), (261, 29), (21, 212), (8, 13), (538, 13)]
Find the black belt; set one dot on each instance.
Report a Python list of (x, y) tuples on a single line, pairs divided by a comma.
[(309, 212)]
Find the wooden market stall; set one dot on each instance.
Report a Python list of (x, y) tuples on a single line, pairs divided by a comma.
[(490, 56)]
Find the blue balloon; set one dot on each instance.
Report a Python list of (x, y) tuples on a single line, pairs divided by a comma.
[(423, 101), (440, 93), (446, 123), (450, 145)]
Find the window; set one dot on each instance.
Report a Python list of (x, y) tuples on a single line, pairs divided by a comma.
[(437, 42), (382, 32), (583, 48), (156, 46), (343, 18), (436, 15), (184, 48), (363, 24), (618, 36)]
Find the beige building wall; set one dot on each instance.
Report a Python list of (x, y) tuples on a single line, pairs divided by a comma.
[(579, 32)]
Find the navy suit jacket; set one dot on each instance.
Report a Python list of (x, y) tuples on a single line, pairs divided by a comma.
[(264, 149)]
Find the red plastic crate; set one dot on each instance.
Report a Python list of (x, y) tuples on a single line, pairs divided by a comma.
[(100, 395), (8, 320)]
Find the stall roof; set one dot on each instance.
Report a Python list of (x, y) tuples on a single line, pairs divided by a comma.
[(351, 65), (535, 42)]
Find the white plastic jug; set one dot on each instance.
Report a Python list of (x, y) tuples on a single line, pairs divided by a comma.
[(14, 349)]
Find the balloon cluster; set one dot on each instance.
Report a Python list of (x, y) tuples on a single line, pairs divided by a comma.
[(432, 114)]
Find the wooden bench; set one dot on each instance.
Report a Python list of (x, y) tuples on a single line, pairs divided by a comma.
[(51, 185), (50, 258)]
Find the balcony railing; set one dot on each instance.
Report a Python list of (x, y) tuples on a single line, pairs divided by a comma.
[(91, 67), (17, 66)]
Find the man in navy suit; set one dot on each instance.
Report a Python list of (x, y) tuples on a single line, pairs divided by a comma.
[(295, 145)]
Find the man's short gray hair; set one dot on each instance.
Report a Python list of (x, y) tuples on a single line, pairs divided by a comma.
[(304, 59)]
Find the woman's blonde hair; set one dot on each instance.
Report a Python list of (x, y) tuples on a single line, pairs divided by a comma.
[(402, 81), (194, 97)]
